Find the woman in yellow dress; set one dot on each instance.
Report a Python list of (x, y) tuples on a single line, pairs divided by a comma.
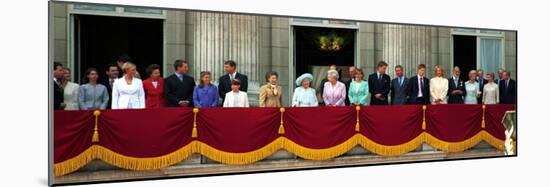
[(271, 94)]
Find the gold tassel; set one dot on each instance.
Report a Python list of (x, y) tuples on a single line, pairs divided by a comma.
[(483, 117), (357, 127), (95, 136), (423, 117), (281, 127), (194, 133)]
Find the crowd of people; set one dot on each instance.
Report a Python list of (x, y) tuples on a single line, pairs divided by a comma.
[(128, 91)]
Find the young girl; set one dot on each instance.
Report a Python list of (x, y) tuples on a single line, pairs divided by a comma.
[(236, 98)]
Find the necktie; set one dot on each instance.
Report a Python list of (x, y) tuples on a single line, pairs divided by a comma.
[(401, 81), (180, 78), (456, 82), (111, 82), (507, 84), (379, 77)]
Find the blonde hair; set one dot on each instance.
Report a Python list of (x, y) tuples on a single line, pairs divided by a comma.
[(442, 71), (127, 66)]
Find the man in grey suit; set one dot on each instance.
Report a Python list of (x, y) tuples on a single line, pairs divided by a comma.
[(398, 88)]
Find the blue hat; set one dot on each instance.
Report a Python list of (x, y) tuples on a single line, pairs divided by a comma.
[(302, 77)]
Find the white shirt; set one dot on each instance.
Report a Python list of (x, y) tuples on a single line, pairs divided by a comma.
[(236, 99), (126, 95), (420, 79), (438, 89)]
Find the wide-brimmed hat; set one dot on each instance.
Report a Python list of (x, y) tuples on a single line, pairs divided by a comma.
[(302, 77)]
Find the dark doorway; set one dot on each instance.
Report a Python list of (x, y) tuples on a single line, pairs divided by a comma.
[(465, 54), (100, 40), (317, 48)]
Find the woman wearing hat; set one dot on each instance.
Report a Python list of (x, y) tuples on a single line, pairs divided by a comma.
[(358, 89), (304, 95)]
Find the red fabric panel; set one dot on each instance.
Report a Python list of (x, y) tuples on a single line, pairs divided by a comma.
[(319, 127), (390, 125), (238, 130), (453, 123), (145, 132), (72, 134), (493, 119)]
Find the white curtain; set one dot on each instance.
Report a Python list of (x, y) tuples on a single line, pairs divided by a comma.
[(490, 54), (220, 37)]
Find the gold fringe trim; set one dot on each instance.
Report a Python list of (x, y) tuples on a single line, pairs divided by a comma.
[(95, 136), (240, 158), (133, 163), (321, 154), (394, 150)]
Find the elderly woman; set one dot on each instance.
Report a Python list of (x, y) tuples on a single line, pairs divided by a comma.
[(271, 94), (358, 89), (92, 96), (439, 87), (304, 95), (70, 91), (490, 90), (128, 91), (205, 94), (472, 88), (334, 92)]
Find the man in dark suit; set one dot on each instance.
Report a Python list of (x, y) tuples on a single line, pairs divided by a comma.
[(456, 91), (178, 88), (418, 89), (507, 89), (351, 71), (398, 88), (224, 85), (379, 85), (481, 82), (57, 89), (111, 71)]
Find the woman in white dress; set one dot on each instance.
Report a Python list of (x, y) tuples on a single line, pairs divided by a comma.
[(128, 91), (490, 90), (472, 89), (439, 87), (304, 94), (70, 91)]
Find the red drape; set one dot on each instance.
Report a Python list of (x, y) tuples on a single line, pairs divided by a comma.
[(319, 127), (237, 129), (148, 133), (390, 125)]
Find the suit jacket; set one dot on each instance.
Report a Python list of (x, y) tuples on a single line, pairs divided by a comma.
[(105, 83), (267, 97), (379, 87), (507, 94), (347, 84), (456, 98), (398, 92), (481, 85), (176, 90), (57, 96), (154, 97), (412, 90), (224, 84)]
